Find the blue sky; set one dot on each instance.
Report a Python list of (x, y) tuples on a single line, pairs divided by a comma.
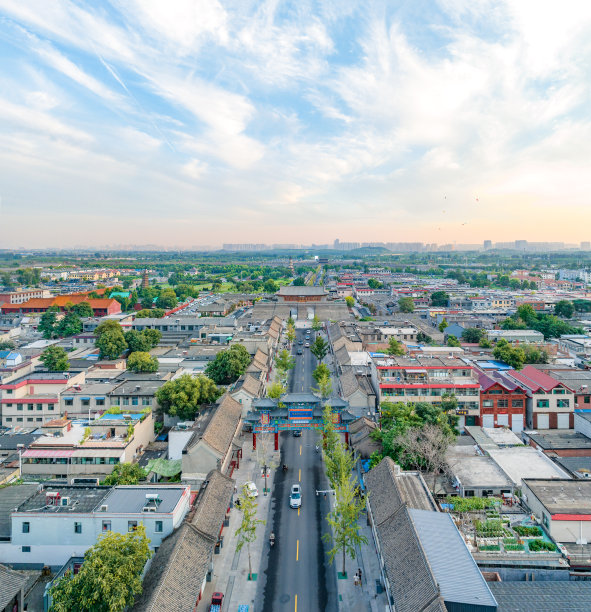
[(197, 122)]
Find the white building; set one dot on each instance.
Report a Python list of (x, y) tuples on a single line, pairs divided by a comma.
[(59, 522)]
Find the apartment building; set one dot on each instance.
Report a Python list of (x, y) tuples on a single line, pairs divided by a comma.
[(59, 522), (33, 399), (550, 403), (427, 379), (18, 297), (502, 401)]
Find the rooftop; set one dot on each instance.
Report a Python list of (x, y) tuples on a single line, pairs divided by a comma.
[(82, 499), (562, 496), (551, 439), (521, 462), (542, 596), (10, 498), (131, 499), (476, 471)]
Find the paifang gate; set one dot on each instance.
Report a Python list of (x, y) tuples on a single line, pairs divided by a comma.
[(295, 411)]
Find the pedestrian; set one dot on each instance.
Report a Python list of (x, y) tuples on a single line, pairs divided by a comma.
[(356, 580), (359, 572)]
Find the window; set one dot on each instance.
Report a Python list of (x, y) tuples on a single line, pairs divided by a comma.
[(125, 401), (19, 407), (50, 407), (487, 403), (29, 406), (69, 402), (77, 527), (39, 406), (517, 403), (106, 525), (135, 401), (146, 401), (8, 391), (19, 419), (27, 527), (559, 391), (158, 527), (38, 419), (131, 525), (563, 403), (100, 402), (9, 418), (543, 404), (29, 419), (502, 403), (86, 402), (26, 549), (587, 399)]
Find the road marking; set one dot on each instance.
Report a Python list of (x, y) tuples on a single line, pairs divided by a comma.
[(300, 449), (297, 550), (298, 511), (296, 603), (300, 475)]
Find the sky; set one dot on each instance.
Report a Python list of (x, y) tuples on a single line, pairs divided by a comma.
[(198, 122)]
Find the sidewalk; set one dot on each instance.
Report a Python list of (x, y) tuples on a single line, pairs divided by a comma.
[(230, 572)]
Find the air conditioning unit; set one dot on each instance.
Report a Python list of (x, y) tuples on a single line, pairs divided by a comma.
[(104, 508), (149, 509), (65, 501), (152, 497)]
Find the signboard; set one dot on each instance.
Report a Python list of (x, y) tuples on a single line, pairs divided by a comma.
[(265, 418)]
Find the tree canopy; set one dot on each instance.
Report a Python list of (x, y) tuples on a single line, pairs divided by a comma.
[(299, 281), (141, 361), (83, 309), (167, 299), (228, 365), (126, 474), (319, 348), (549, 325), (439, 298), (406, 304), (473, 335), (183, 396), (55, 359), (564, 308), (110, 577)]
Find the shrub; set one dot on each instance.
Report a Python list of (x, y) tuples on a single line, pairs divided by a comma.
[(539, 545), (490, 528), (523, 530), (490, 547)]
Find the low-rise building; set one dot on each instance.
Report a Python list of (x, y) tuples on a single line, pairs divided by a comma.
[(63, 521), (502, 401), (562, 506), (515, 335)]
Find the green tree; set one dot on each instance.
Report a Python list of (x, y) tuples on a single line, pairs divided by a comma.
[(110, 577), (485, 343), (246, 533), (526, 313), (7, 345), (126, 474), (167, 299), (395, 347), (443, 325), (228, 365), (137, 341), (373, 283), (271, 286), (69, 325), (319, 348), (183, 396), (290, 334), (324, 388), (350, 301), (48, 322), (439, 298), (473, 335), (55, 359), (110, 339), (406, 304), (511, 355), (453, 341), (299, 282), (153, 336), (275, 390), (330, 437), (321, 371), (316, 324), (564, 308), (83, 309), (7, 280), (140, 361), (155, 313), (423, 337)]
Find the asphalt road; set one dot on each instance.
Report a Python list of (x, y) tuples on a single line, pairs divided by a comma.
[(301, 379), (298, 576)]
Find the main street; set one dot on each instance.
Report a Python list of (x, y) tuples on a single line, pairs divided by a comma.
[(297, 575), (301, 380)]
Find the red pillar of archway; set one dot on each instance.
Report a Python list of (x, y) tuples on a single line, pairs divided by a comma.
[(276, 440), (347, 438), (254, 441)]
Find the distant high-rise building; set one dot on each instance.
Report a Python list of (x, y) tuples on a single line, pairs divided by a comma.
[(487, 245), (521, 244), (585, 246)]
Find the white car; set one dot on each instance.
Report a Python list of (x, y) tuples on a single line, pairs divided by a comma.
[(251, 489), (295, 498)]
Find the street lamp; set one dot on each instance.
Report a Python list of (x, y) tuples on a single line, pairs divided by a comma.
[(19, 448)]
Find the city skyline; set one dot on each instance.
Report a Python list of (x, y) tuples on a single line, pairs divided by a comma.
[(263, 122)]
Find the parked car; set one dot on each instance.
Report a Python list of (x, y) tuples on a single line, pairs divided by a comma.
[(217, 600), (251, 489), (300, 352), (295, 497), (297, 433), (307, 345)]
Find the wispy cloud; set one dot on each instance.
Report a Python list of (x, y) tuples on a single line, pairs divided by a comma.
[(250, 118)]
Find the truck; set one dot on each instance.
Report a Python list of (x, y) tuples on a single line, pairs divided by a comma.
[(216, 602)]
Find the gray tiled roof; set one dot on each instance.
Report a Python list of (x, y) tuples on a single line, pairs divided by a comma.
[(11, 498), (222, 427), (177, 571), (412, 583), (542, 596), (11, 583), (349, 383), (212, 504)]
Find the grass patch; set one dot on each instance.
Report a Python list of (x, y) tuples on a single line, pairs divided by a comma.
[(492, 547)]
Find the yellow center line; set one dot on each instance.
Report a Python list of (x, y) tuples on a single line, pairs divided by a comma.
[(300, 449), (300, 475), (298, 512), (297, 550), (296, 603)]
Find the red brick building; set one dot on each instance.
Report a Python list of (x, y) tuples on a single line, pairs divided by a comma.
[(503, 402), (100, 306)]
